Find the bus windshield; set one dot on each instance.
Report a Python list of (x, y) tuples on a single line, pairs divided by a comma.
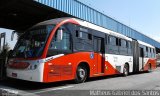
[(32, 42)]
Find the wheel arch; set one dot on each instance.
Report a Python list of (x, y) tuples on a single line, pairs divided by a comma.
[(86, 64), (150, 65), (127, 65)]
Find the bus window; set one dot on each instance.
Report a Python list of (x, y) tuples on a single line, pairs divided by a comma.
[(146, 52), (149, 52), (117, 42), (124, 43), (123, 50), (60, 47), (112, 45), (112, 40), (129, 45), (106, 39), (146, 49), (154, 54), (89, 36), (77, 33)]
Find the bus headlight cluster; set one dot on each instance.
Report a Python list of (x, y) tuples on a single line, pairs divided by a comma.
[(33, 67), (10, 62)]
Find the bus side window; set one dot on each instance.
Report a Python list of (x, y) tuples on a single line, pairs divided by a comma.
[(112, 45), (106, 39), (146, 53), (83, 41), (89, 36), (77, 33), (123, 48), (149, 52), (117, 42), (112, 40), (154, 53), (129, 46), (60, 47), (124, 43)]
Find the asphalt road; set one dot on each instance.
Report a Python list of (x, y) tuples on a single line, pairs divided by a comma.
[(142, 81)]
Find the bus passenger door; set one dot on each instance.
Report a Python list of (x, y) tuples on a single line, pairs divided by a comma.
[(141, 58), (98, 55)]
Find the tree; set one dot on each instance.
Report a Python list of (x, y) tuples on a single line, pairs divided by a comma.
[(7, 47)]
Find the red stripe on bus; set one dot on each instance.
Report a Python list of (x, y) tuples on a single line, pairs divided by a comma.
[(50, 39), (54, 31)]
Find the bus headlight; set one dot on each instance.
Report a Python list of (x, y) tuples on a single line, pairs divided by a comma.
[(33, 67), (10, 62)]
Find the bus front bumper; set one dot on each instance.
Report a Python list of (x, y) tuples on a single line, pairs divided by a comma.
[(28, 75)]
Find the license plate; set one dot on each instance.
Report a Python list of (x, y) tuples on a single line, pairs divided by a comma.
[(14, 74)]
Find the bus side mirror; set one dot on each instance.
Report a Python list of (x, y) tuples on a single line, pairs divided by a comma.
[(12, 36), (59, 34)]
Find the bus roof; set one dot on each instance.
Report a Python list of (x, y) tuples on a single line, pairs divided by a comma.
[(145, 44), (101, 29)]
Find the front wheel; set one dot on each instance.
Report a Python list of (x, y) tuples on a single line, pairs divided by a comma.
[(81, 74), (126, 70)]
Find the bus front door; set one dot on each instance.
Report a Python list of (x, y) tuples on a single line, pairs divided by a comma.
[(98, 55)]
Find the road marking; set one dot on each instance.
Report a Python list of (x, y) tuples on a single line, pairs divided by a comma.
[(50, 89)]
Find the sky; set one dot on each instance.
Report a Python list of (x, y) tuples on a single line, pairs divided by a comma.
[(142, 15)]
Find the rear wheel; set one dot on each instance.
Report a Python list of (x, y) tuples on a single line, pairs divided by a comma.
[(126, 70), (81, 74), (149, 68)]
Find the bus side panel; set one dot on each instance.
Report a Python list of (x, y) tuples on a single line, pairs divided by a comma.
[(64, 67), (118, 62), (109, 69)]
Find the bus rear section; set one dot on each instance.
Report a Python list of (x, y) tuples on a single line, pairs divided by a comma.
[(144, 56)]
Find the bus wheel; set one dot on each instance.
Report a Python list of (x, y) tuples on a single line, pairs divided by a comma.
[(149, 68), (126, 70), (81, 74)]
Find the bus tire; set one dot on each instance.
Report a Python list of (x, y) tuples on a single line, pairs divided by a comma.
[(149, 68), (81, 74), (126, 70)]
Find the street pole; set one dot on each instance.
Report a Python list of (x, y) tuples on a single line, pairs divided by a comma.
[(4, 37), (2, 57), (0, 43)]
